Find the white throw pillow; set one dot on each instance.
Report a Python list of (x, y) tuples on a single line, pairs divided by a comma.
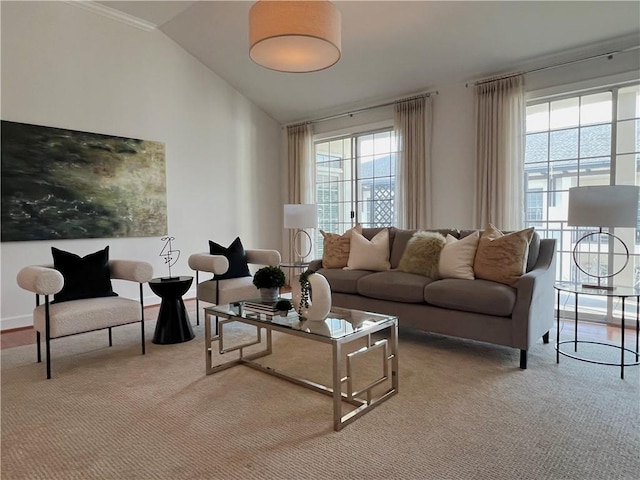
[(456, 258), (369, 255)]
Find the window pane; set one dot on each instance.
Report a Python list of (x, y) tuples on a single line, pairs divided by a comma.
[(564, 144), (629, 102), (565, 113), (628, 136), (538, 118), (595, 108), (537, 145), (595, 141)]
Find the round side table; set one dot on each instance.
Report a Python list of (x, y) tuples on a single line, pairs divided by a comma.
[(173, 324)]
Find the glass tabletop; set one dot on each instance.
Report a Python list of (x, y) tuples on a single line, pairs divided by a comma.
[(340, 323), (618, 291)]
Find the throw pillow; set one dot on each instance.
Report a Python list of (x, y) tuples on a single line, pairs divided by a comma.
[(237, 259), (369, 254), (84, 277), (422, 254), (502, 258), (335, 250), (457, 256)]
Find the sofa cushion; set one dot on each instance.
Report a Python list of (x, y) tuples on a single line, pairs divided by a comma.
[(477, 296), (369, 254), (502, 257), (335, 249), (456, 258), (84, 277), (394, 285), (236, 256), (343, 281), (402, 237), (422, 254), (534, 247)]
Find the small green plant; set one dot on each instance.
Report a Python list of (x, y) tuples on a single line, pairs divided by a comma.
[(283, 305), (269, 277), (305, 290)]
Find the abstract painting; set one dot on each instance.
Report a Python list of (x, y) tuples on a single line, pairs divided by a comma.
[(63, 184)]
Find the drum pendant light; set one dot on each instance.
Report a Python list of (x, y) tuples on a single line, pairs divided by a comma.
[(295, 36)]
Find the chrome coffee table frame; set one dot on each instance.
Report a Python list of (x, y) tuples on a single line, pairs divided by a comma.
[(363, 399)]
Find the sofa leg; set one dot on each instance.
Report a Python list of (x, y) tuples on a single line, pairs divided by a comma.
[(523, 359), (110, 338), (545, 338), (47, 334), (38, 346)]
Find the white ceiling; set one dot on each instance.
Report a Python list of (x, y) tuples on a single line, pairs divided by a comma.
[(394, 48)]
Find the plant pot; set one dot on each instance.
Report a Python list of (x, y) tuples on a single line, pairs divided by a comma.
[(269, 295)]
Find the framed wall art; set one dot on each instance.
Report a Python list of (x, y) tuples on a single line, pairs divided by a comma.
[(67, 184)]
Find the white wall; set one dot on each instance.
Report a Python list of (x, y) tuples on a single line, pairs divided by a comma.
[(63, 66)]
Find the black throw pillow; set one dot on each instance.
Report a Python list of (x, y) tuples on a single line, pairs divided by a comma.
[(86, 277), (237, 259)]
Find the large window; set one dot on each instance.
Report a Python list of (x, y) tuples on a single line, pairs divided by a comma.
[(587, 139), (355, 181)]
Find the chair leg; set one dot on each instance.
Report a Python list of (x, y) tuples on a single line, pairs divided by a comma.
[(197, 301), (110, 338), (142, 321), (38, 346), (545, 338), (523, 359), (47, 335)]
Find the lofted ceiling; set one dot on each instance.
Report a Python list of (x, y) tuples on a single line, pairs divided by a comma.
[(394, 48)]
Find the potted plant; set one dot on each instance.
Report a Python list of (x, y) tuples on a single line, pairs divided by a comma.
[(269, 280)]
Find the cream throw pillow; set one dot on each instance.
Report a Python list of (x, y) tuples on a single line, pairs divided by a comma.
[(369, 255), (335, 250), (422, 254), (456, 258), (502, 258)]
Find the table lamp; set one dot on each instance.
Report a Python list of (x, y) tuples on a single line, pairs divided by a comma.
[(602, 206), (298, 217)]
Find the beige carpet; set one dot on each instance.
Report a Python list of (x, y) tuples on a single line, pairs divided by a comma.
[(465, 411)]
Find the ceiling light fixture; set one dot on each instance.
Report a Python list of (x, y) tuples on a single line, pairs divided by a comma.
[(295, 36)]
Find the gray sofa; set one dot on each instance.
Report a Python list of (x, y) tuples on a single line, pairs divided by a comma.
[(477, 309)]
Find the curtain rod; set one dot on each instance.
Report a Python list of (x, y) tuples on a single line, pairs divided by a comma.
[(609, 55), (364, 109)]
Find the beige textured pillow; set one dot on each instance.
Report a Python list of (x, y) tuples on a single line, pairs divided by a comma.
[(457, 256), (369, 255), (335, 250), (502, 258), (422, 254)]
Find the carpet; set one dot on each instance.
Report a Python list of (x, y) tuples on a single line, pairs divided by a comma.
[(465, 411)]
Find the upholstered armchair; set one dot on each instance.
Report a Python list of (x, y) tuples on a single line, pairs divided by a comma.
[(72, 317), (228, 290)]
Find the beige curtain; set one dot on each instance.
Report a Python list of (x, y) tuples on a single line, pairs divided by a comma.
[(412, 121), (500, 121), (301, 185)]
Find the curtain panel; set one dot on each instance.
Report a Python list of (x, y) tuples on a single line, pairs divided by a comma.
[(500, 124), (412, 123), (301, 168)]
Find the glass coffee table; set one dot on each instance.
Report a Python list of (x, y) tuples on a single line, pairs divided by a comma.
[(341, 327)]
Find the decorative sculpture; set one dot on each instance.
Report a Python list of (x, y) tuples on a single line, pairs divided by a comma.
[(167, 252)]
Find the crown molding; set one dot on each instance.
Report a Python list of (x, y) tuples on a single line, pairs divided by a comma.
[(113, 14)]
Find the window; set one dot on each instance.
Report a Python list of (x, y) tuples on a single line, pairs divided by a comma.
[(588, 139), (355, 181)]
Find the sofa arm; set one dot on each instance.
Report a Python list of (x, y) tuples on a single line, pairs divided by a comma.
[(263, 257), (533, 311), (205, 262), (40, 280), (132, 270)]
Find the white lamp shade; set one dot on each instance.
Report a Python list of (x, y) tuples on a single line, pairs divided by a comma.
[(300, 216), (295, 36), (604, 206)]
